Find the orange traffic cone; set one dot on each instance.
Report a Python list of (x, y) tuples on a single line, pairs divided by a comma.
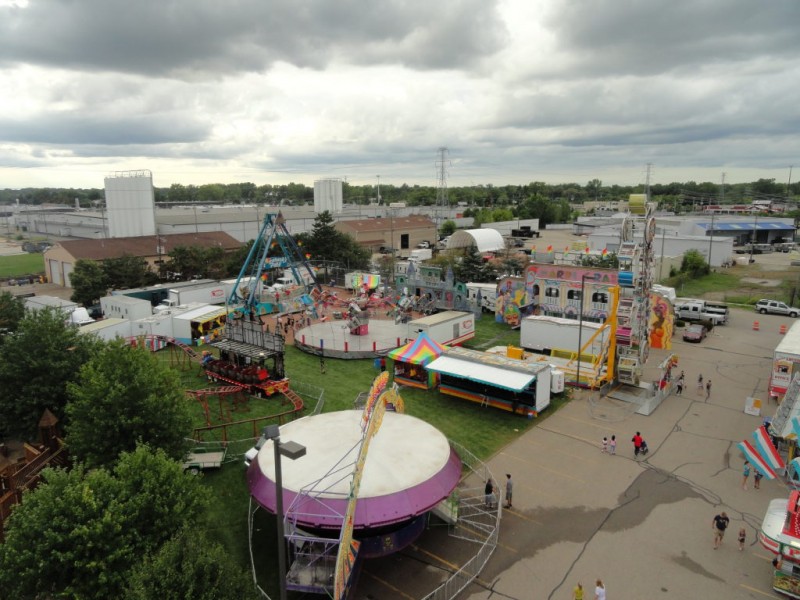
[(755, 325), (783, 329)]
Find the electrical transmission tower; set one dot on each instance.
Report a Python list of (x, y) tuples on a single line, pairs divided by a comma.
[(442, 203)]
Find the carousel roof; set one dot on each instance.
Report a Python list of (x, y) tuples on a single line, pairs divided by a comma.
[(419, 351)]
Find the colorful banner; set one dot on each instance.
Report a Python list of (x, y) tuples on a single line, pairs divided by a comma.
[(751, 455), (767, 449)]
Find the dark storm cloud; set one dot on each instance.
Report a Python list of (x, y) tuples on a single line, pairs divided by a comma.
[(76, 129), (201, 37), (641, 36)]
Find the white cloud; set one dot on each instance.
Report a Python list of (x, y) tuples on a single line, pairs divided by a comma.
[(518, 90)]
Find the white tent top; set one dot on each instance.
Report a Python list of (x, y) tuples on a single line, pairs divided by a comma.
[(494, 376), (487, 240)]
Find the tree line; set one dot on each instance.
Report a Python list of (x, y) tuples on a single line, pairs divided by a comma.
[(482, 195)]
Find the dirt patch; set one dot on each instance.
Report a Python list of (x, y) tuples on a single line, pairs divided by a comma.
[(762, 282)]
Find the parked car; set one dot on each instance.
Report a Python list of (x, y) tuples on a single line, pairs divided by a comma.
[(694, 333), (774, 307)]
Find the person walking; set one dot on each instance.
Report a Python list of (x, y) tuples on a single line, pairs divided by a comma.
[(600, 590), (577, 593), (742, 538), (612, 445), (745, 474), (700, 384), (488, 491), (604, 445), (679, 387), (708, 389), (509, 490), (637, 443), (757, 480), (719, 525)]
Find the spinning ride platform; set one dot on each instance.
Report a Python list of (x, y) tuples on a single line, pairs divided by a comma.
[(333, 339), (410, 469)]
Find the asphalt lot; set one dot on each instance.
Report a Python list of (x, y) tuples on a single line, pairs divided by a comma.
[(641, 525)]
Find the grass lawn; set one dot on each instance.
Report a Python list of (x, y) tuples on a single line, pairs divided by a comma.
[(482, 431), (18, 265)]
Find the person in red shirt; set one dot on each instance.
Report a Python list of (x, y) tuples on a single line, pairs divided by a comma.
[(637, 443)]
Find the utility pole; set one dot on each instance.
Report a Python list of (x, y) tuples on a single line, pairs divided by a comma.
[(442, 202), (647, 182)]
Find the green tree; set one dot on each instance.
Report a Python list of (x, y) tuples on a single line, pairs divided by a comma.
[(12, 309), (88, 282), (128, 271), (79, 533), (447, 228), (189, 566), (124, 396), (328, 243), (36, 364), (694, 264), (471, 268)]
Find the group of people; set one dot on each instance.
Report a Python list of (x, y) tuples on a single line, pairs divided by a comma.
[(490, 500), (757, 476), (720, 524), (599, 591), (681, 383)]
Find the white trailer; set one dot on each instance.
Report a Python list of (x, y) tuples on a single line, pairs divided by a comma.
[(488, 293), (125, 307), (420, 254), (110, 329), (216, 293), (785, 362), (450, 327), (545, 334)]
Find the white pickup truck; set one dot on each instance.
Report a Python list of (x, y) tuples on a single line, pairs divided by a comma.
[(700, 311)]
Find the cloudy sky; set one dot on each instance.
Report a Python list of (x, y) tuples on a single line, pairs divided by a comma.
[(203, 91)]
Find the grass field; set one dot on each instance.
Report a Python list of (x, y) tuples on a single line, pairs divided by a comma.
[(18, 265), (483, 431)]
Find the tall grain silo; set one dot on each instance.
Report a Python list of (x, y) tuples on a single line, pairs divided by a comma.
[(328, 195), (130, 204)]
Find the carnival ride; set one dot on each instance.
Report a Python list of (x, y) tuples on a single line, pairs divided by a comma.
[(274, 248), (349, 497)]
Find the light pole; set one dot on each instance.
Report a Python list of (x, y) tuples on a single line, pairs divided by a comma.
[(291, 450), (580, 327)]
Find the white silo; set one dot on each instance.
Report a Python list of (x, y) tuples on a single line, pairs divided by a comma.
[(328, 195), (130, 204)]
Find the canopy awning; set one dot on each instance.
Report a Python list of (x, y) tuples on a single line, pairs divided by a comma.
[(494, 376), (419, 351)]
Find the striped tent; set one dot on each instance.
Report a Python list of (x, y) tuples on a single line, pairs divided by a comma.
[(410, 361)]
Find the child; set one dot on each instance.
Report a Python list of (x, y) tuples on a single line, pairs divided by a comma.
[(605, 444), (742, 538), (612, 445), (745, 474), (757, 480)]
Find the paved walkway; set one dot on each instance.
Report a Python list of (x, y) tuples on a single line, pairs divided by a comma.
[(643, 526)]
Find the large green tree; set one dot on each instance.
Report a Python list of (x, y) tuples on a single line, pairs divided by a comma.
[(89, 282), (80, 532), (123, 396), (36, 364), (325, 242), (189, 566), (128, 271), (12, 309)]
